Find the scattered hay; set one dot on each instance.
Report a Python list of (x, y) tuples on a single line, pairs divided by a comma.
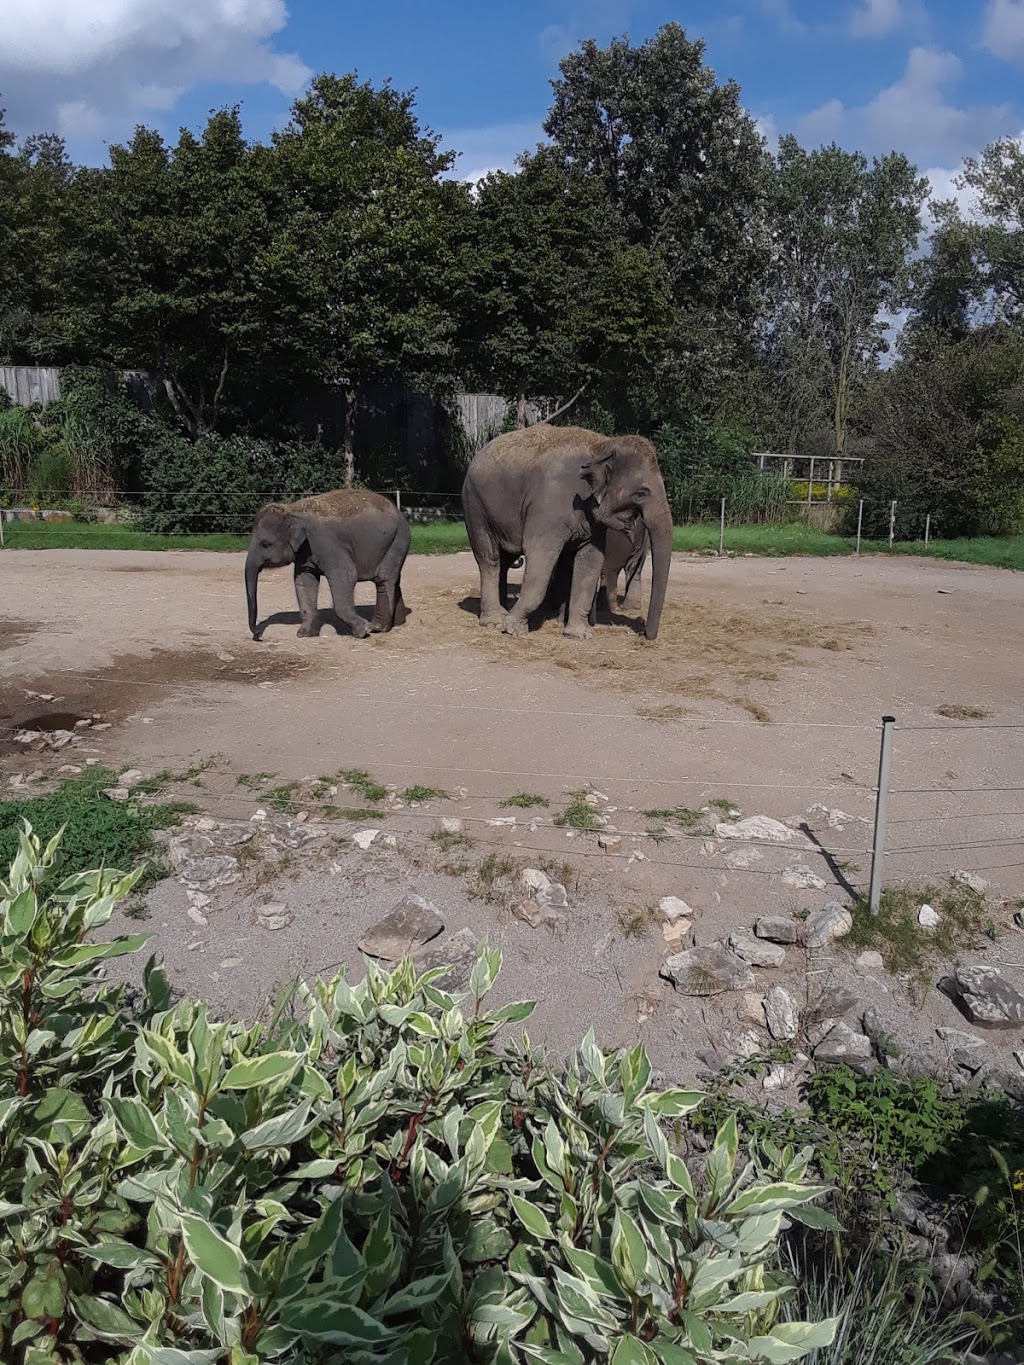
[(956, 711)]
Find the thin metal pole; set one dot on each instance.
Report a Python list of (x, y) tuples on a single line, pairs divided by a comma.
[(860, 522), (810, 483), (881, 813), (1, 529), (892, 524), (721, 531), (927, 529), (398, 498)]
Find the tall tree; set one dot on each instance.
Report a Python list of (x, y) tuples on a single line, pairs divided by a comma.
[(561, 304), (362, 262), (685, 172), (844, 234)]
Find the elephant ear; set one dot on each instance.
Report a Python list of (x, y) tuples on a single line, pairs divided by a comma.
[(298, 532), (597, 471)]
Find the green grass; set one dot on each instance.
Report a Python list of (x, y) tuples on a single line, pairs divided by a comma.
[(437, 539), (446, 537), (579, 814), (905, 946), (362, 783), (420, 793), (523, 801), (100, 832)]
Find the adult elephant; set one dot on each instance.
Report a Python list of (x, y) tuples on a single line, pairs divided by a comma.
[(347, 537), (549, 492)]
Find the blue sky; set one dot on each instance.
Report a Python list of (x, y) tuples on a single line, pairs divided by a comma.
[(935, 78)]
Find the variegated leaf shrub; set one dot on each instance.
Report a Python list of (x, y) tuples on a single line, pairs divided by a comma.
[(368, 1177)]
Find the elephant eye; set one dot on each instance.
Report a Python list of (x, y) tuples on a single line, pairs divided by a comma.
[(643, 491), (266, 544)]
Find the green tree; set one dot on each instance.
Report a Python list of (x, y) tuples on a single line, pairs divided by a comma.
[(361, 264), (161, 267), (560, 303), (844, 234), (684, 172)]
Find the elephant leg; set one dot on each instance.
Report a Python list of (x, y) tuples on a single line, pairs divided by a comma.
[(492, 610), (384, 610), (388, 580), (633, 600), (342, 578), (307, 589), (505, 563), (585, 580), (540, 565), (401, 610)]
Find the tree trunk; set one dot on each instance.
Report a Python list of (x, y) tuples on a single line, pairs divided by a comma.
[(348, 446), (520, 410)]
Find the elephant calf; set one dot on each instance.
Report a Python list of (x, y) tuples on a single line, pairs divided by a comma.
[(347, 537)]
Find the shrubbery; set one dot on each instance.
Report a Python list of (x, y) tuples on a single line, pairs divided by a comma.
[(702, 464), (365, 1178)]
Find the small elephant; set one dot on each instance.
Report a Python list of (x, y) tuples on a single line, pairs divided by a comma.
[(554, 494), (624, 552), (348, 537)]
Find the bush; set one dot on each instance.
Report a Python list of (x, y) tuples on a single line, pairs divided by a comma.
[(219, 483), (702, 464), (366, 1177)]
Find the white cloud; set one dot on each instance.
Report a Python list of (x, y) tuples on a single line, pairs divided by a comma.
[(781, 11), (86, 67), (492, 148), (913, 115), (876, 18), (1003, 34)]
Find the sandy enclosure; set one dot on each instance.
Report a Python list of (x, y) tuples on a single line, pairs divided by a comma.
[(764, 693)]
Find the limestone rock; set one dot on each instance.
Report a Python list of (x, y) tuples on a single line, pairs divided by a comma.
[(458, 952), (403, 931), (675, 932), (215, 870), (928, 918), (827, 925), (802, 879), (780, 1010), (871, 962), (758, 952), (711, 970), (363, 838), (673, 908), (609, 842), (775, 929), (274, 915), (841, 1046), (988, 999), (971, 879), (758, 827)]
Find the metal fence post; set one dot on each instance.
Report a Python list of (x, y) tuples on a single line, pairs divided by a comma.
[(398, 498), (892, 524), (860, 522), (881, 813), (721, 531), (927, 529)]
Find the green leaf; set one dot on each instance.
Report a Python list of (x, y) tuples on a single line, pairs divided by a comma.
[(155, 1047), (213, 1255), (631, 1351), (253, 1071), (416, 1296), (767, 1198), (514, 1013), (819, 1219), (20, 914), (321, 1317), (105, 1318), (791, 1341), (281, 1130), (99, 952), (673, 1104), (61, 1116), (43, 1295), (138, 1125), (120, 1254), (532, 1219)]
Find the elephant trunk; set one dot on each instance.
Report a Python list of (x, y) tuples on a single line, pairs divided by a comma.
[(660, 532), (252, 573)]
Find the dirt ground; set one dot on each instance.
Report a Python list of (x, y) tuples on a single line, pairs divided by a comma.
[(763, 693)]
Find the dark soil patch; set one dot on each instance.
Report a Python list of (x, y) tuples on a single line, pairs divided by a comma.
[(14, 632)]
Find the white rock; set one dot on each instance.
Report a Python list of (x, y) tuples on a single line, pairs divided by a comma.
[(363, 838), (871, 962), (534, 879), (636, 856), (802, 879), (777, 1077), (756, 827), (206, 825), (37, 776), (274, 915), (116, 793), (750, 1010), (503, 820), (971, 879), (928, 918), (826, 925), (131, 778), (452, 826), (197, 916), (676, 931), (389, 841), (739, 858), (673, 908), (781, 1012), (609, 841), (757, 951), (258, 817)]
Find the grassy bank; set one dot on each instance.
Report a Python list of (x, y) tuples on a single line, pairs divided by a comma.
[(448, 536), (439, 538)]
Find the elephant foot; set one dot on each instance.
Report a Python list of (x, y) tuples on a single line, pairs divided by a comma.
[(360, 630), (494, 620), (308, 632), (578, 631), (379, 627), (515, 626)]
